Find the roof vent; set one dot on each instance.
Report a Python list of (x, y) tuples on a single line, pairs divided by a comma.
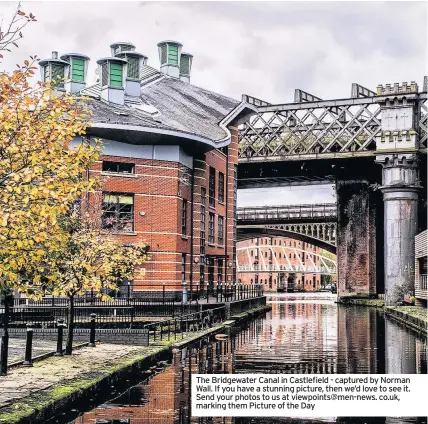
[(169, 55), (53, 69), (75, 72), (185, 66), (134, 67), (112, 71), (121, 46)]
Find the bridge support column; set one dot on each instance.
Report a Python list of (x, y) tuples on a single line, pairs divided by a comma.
[(400, 195), (356, 239)]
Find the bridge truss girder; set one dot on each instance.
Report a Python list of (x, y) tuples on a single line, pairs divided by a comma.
[(320, 128)]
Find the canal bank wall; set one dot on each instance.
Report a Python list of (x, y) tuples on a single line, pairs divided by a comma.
[(55, 385), (413, 317)]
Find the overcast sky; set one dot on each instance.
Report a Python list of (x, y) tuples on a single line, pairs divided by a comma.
[(265, 49)]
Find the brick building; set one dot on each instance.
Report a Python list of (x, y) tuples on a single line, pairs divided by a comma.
[(285, 258), (169, 161)]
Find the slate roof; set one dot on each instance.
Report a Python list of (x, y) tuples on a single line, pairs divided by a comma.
[(166, 103)]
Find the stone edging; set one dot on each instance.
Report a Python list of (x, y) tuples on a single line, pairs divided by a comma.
[(47, 403)]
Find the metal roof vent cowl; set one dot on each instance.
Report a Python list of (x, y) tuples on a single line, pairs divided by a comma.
[(135, 64), (75, 72), (169, 56), (185, 66), (112, 71), (54, 69)]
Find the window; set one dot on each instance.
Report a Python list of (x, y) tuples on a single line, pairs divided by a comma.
[(172, 55), (203, 213), (116, 75), (221, 187), (119, 167), (274, 242), (252, 252), (220, 230), (220, 270), (183, 267), (118, 211), (184, 218), (77, 69), (211, 228), (133, 71), (279, 255), (211, 188)]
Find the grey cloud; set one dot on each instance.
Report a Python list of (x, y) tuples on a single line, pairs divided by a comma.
[(266, 49)]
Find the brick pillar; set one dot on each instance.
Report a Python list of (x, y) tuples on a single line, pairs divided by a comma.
[(230, 273), (356, 239), (199, 183)]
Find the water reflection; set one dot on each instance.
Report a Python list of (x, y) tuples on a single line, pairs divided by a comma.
[(299, 335)]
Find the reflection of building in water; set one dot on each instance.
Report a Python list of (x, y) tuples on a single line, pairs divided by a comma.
[(165, 398), (361, 340), (299, 338)]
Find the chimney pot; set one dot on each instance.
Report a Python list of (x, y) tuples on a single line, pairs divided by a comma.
[(54, 55)]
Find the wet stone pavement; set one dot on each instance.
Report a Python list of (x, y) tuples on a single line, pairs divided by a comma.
[(22, 382)]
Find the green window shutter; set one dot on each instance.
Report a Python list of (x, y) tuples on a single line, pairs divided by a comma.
[(172, 55), (47, 72), (184, 65), (104, 75), (163, 55), (116, 76), (58, 75), (133, 71), (77, 70)]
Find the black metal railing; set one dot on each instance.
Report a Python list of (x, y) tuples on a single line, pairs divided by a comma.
[(178, 327), (324, 210), (122, 312)]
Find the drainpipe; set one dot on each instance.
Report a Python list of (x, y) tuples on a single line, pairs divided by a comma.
[(192, 194), (226, 265)]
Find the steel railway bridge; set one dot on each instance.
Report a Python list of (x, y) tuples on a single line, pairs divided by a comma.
[(372, 146)]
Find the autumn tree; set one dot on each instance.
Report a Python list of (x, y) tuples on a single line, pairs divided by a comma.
[(90, 259), (12, 32)]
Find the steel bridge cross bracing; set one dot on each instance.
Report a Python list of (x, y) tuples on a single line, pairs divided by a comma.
[(312, 128)]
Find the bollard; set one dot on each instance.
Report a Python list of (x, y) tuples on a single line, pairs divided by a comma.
[(92, 331), (29, 347), (61, 325)]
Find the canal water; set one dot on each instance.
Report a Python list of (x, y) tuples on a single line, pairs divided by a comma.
[(304, 333)]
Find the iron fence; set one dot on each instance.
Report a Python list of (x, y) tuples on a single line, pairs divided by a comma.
[(178, 327), (121, 312)]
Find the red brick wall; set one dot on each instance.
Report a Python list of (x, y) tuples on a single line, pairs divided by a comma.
[(159, 188)]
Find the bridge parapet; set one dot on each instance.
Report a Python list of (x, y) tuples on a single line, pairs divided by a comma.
[(315, 128), (325, 211)]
